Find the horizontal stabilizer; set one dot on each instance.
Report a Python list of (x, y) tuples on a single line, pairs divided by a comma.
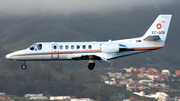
[(152, 38)]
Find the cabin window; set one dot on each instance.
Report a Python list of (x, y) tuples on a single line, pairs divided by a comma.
[(39, 46), (61, 46), (55, 47), (89, 46), (84, 46), (72, 46), (66, 46), (78, 47)]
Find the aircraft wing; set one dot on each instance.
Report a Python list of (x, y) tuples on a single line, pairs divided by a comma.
[(86, 57)]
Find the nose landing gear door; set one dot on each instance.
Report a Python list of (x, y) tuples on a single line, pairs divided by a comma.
[(55, 54)]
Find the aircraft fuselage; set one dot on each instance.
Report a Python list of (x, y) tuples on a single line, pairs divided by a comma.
[(154, 38)]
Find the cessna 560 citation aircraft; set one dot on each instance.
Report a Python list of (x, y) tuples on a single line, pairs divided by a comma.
[(154, 38)]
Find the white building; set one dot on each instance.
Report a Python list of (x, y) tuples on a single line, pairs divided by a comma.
[(118, 74), (111, 74), (129, 87), (114, 75), (152, 77), (166, 72), (2, 93), (128, 70), (33, 95), (145, 81), (158, 95), (161, 96), (141, 93), (112, 82), (82, 99), (39, 98), (59, 97)]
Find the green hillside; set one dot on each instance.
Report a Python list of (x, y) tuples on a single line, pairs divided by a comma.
[(52, 80), (55, 80)]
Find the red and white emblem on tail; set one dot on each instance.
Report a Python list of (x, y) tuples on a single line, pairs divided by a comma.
[(158, 26)]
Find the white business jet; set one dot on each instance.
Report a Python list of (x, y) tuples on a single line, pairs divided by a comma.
[(153, 39)]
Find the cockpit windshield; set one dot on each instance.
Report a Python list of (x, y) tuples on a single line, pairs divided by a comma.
[(36, 47)]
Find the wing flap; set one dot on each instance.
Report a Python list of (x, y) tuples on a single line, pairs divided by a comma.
[(86, 57)]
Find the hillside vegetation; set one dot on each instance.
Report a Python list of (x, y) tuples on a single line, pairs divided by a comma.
[(52, 80)]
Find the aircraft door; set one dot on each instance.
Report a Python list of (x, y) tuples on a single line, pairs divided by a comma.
[(55, 54)]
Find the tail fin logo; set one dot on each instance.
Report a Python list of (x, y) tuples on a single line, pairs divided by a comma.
[(159, 26)]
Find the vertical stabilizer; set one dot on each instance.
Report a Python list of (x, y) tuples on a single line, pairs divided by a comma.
[(158, 29)]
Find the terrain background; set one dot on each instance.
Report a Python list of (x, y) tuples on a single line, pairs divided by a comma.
[(19, 30)]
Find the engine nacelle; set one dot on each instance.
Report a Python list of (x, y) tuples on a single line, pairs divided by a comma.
[(109, 47)]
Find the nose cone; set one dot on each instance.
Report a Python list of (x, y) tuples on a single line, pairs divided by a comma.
[(15, 55), (9, 56)]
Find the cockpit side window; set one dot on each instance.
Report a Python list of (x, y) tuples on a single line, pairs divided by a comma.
[(39, 46)]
